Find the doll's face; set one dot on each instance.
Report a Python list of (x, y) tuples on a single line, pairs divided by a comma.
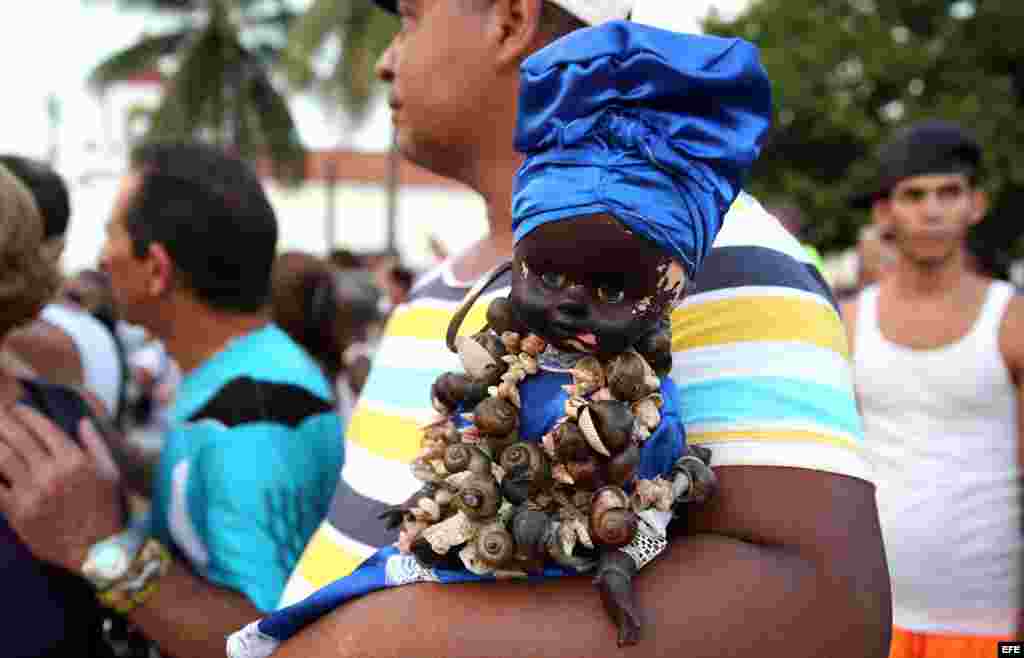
[(588, 284)]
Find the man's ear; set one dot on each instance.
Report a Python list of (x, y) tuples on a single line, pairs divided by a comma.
[(980, 204), (160, 268), (518, 29), (880, 215)]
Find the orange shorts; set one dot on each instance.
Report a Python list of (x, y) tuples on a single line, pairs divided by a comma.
[(940, 645)]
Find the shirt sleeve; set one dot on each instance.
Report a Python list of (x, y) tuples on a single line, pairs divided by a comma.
[(761, 361)]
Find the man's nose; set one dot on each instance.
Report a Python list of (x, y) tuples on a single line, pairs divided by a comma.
[(934, 207), (385, 68)]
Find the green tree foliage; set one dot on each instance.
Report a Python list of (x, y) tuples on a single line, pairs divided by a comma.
[(847, 72), (350, 36), (221, 89)]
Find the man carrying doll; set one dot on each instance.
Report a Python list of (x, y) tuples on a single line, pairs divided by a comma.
[(786, 561)]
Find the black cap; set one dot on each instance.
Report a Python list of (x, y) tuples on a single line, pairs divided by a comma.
[(927, 147), (387, 5)]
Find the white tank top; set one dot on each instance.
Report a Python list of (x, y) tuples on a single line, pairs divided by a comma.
[(940, 427)]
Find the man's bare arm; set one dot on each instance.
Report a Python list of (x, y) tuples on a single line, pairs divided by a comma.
[(1011, 344), (190, 617), (787, 562)]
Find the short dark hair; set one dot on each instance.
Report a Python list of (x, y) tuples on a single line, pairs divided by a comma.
[(556, 22), (402, 276), (47, 188), (211, 213)]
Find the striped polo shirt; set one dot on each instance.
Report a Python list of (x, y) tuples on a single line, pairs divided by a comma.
[(760, 359)]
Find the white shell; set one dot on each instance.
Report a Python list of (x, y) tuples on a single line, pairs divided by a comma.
[(590, 433), (511, 340), (646, 411), (656, 493), (457, 480), (509, 391), (476, 360), (573, 406), (443, 497), (529, 363), (453, 531), (560, 473), (430, 506)]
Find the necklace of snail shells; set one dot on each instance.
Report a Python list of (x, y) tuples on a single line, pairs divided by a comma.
[(509, 505)]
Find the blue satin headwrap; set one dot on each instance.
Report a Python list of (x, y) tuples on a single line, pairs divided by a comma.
[(656, 128)]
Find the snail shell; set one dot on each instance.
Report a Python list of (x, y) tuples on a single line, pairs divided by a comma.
[(631, 378), (622, 467), (515, 487), (588, 375), (442, 431), (528, 456), (452, 389), (656, 493), (501, 316), (462, 457), (570, 444), (497, 444), (478, 497), (531, 530), (647, 411), (588, 474), (694, 481), (612, 522), (511, 340), (481, 357), (495, 545), (496, 417), (656, 348), (607, 425)]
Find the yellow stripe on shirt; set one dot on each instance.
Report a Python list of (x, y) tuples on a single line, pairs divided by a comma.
[(432, 323), (385, 435), (326, 560), (779, 436), (747, 318)]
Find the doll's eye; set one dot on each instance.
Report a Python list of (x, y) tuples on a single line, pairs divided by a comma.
[(553, 279), (611, 294)]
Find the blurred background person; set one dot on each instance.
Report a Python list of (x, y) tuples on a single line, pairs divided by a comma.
[(333, 314), (875, 255), (939, 371), (66, 344), (53, 612), (792, 219)]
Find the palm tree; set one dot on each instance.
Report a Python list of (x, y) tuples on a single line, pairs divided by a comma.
[(355, 32), (222, 88)]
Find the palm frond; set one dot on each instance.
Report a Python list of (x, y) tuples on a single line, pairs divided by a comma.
[(279, 134), (138, 58)]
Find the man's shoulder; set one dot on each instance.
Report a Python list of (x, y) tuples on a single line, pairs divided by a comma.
[(754, 250), (1011, 334)]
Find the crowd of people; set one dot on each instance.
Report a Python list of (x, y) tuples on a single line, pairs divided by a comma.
[(194, 436)]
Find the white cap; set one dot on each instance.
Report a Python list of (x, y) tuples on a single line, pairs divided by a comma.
[(595, 12)]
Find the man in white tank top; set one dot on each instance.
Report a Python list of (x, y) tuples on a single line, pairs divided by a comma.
[(938, 360)]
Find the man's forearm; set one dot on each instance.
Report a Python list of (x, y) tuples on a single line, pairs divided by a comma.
[(189, 617), (707, 596)]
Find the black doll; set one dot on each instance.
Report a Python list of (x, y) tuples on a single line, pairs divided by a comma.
[(561, 448)]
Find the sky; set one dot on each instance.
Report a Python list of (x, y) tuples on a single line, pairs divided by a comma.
[(49, 46)]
